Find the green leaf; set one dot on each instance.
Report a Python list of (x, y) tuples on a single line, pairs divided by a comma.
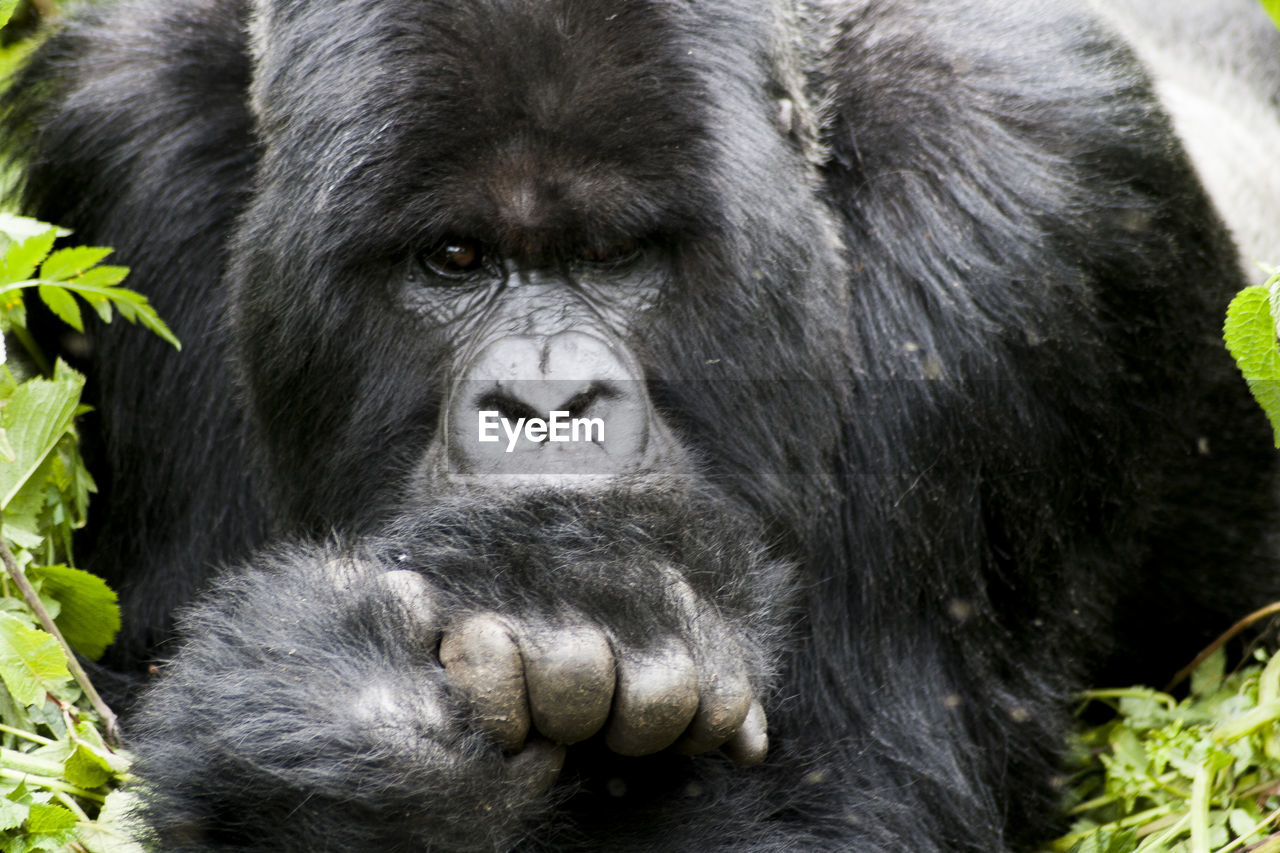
[(50, 819), (1273, 9), (34, 419), (62, 304), (133, 306), (49, 827), (1207, 676), (66, 264), (151, 321), (85, 769), (22, 513), (104, 276), (1127, 746), (1241, 822), (110, 833), (18, 228), (89, 736), (6, 10), (12, 814), (1250, 334), (31, 661), (101, 277), (21, 259), (89, 616), (73, 480)]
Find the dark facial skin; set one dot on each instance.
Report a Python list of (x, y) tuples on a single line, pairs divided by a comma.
[(542, 336)]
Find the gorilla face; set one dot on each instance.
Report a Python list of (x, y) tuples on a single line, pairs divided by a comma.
[(536, 259), (505, 248), (497, 224)]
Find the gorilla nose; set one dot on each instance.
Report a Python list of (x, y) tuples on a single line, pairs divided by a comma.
[(566, 403)]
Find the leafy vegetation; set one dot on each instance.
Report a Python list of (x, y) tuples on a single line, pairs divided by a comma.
[(1200, 775), (59, 769)]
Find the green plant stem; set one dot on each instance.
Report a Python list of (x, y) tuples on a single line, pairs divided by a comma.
[(1158, 842), (70, 804), (1066, 842), (1130, 693), (32, 349), (51, 784), (1162, 780), (73, 663), (31, 736), (23, 762), (1199, 809)]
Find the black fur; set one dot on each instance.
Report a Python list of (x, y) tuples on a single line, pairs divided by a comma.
[(937, 328)]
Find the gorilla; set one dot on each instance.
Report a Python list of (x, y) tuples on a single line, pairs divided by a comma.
[(656, 424)]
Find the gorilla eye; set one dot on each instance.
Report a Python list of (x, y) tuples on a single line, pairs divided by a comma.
[(611, 254), (455, 258)]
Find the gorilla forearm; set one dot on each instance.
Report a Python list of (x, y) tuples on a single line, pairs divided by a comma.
[(279, 708), (314, 680)]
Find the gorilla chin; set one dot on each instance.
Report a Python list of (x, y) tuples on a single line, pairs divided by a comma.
[(892, 329)]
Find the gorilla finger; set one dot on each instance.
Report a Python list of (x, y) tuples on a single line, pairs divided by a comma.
[(656, 697), (482, 658), (412, 595), (569, 673), (750, 744), (537, 766), (723, 704), (410, 588)]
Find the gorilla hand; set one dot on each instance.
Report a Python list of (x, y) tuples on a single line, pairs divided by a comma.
[(309, 687), (654, 632), (568, 681)]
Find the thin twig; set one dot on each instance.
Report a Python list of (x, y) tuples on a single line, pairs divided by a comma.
[(73, 663), (1256, 616)]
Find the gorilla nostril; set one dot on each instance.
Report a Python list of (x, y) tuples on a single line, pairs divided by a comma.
[(507, 405), (579, 404), (569, 402)]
